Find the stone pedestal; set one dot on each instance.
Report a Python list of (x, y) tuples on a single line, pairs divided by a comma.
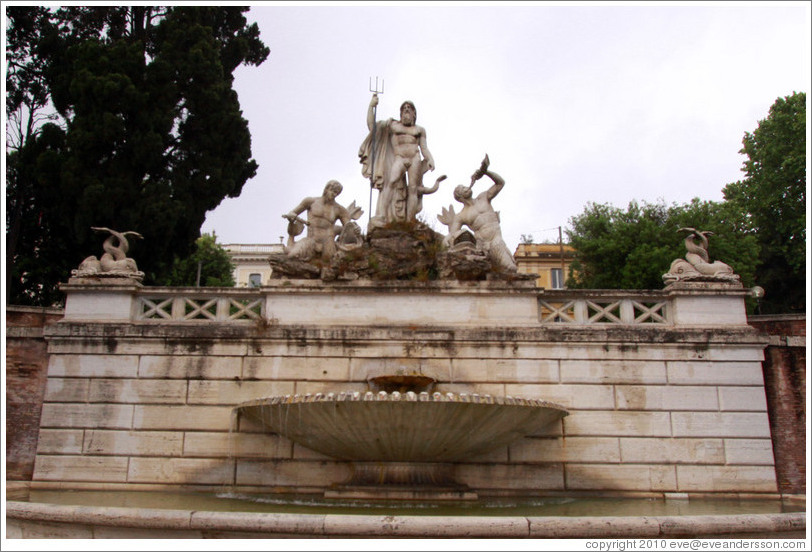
[(707, 303), (96, 298)]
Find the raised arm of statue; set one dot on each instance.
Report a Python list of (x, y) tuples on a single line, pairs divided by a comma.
[(373, 103), (498, 184)]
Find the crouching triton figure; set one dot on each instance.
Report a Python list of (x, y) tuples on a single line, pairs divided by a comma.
[(322, 214), (478, 215)]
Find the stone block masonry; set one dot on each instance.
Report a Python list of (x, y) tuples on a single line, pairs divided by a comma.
[(655, 408)]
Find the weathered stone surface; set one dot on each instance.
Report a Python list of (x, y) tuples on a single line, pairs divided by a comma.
[(283, 267), (618, 423), (60, 441), (91, 301), (66, 390), (133, 443), (182, 417), (549, 477), (211, 471), (383, 307), (290, 474), (714, 373), (720, 424), (505, 369), (94, 365), (742, 399), (642, 399), (672, 450), (749, 452), (627, 477), (569, 449), (76, 415), (296, 368), (230, 393), (182, 366), (81, 468), (137, 391), (610, 371), (205, 444), (727, 478), (580, 397), (666, 397)]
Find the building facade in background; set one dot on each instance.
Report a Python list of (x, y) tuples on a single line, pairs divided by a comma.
[(251, 267), (550, 261)]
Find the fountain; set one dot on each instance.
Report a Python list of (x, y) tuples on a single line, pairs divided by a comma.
[(387, 367), (401, 443)]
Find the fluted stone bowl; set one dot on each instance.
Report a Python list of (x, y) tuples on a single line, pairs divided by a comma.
[(402, 427)]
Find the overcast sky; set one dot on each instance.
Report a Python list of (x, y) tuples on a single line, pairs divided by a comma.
[(572, 102)]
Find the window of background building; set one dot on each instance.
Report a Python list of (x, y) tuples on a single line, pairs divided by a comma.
[(556, 278), (255, 280)]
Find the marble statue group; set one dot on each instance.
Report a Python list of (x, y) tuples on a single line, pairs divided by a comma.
[(395, 158)]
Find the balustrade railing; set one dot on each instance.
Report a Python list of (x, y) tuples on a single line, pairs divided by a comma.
[(604, 307), (577, 307), (183, 304)]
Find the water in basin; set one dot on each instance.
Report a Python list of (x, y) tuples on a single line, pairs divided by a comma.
[(494, 506)]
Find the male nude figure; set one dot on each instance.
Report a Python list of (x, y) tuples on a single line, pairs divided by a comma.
[(322, 214), (401, 158), (478, 214)]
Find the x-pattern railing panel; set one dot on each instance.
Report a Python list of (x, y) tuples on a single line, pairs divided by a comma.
[(200, 307), (593, 309)]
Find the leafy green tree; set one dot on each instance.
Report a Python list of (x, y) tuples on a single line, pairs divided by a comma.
[(633, 248), (773, 197), (209, 264), (148, 134)]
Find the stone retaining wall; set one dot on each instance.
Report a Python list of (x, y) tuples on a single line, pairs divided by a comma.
[(671, 408)]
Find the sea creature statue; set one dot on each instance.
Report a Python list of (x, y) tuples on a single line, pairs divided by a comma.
[(697, 266), (114, 262)]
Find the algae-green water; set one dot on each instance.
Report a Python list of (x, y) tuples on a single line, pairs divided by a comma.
[(308, 504)]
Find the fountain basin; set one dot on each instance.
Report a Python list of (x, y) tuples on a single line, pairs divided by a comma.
[(198, 516), (408, 427)]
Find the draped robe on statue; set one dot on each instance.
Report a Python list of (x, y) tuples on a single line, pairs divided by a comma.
[(391, 205)]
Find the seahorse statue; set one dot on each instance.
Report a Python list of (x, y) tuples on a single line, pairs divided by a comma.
[(114, 260), (697, 265)]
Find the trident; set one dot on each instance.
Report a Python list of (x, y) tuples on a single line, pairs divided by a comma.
[(374, 125)]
